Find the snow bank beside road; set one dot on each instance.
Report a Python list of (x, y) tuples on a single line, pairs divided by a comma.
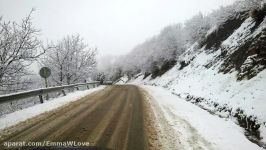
[(24, 114), (122, 80), (220, 133)]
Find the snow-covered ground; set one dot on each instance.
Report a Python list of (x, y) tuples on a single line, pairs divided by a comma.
[(24, 114), (122, 80), (195, 128)]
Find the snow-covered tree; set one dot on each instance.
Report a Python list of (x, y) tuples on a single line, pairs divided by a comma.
[(156, 50), (19, 48), (240, 7), (100, 76), (170, 42), (196, 28), (70, 60)]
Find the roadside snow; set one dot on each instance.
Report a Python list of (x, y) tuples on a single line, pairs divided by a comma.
[(24, 114), (122, 80), (139, 79), (196, 127)]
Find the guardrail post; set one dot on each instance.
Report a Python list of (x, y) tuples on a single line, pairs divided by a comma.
[(88, 87), (41, 99), (63, 91), (47, 96)]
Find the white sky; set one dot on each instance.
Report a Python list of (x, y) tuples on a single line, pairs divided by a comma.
[(114, 26)]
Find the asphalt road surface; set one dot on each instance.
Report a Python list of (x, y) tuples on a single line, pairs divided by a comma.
[(117, 117)]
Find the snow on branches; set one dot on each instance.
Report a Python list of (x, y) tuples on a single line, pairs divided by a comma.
[(70, 60), (19, 47)]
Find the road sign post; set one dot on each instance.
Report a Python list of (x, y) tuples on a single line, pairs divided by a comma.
[(45, 72)]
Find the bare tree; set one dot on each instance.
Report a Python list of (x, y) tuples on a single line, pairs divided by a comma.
[(19, 48), (70, 60)]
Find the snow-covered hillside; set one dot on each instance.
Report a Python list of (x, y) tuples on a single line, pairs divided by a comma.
[(228, 80)]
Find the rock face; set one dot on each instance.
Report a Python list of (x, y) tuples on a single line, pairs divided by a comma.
[(242, 41), (215, 38)]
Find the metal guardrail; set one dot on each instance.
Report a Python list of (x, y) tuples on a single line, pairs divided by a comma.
[(42, 91), (107, 83)]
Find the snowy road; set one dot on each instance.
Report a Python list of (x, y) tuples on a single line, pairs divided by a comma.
[(131, 117), (112, 117)]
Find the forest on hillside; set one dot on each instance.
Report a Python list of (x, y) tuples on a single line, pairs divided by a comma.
[(161, 52)]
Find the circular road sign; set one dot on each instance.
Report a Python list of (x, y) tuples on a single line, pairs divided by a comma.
[(45, 72)]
